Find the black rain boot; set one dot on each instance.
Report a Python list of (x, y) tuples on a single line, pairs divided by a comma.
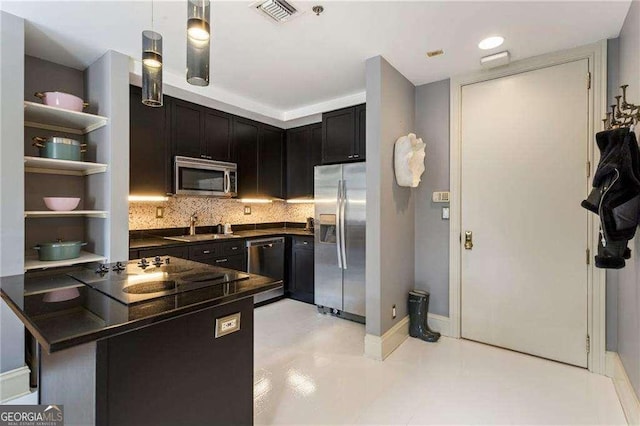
[(418, 308)]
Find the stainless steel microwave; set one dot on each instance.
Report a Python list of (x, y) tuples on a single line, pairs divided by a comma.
[(195, 176)]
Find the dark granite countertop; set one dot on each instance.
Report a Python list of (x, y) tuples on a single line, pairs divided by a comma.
[(89, 315), (148, 240)]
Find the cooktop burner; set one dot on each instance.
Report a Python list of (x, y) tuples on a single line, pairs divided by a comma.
[(141, 279)]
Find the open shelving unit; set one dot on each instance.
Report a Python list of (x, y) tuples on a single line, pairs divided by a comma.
[(62, 167), (102, 214), (61, 120), (32, 262)]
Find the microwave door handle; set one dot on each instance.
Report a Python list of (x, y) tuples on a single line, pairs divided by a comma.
[(227, 182)]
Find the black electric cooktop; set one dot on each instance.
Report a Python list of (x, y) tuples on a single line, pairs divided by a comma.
[(140, 280)]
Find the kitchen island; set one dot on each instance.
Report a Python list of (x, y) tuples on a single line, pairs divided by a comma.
[(184, 356)]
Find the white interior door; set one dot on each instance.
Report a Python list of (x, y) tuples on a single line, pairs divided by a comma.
[(524, 151)]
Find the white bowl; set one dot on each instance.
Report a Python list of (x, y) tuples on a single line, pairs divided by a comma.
[(61, 204)]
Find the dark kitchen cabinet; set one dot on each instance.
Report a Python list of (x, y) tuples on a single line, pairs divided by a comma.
[(187, 127), (304, 147), (217, 137), (361, 131), (181, 252), (301, 281), (201, 132), (271, 162), (344, 135), (260, 154), (149, 147), (245, 135)]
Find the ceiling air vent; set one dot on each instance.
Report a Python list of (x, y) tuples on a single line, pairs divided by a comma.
[(278, 10)]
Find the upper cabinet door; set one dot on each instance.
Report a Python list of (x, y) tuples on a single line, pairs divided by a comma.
[(271, 165), (299, 167), (361, 132), (187, 123), (245, 137), (338, 135), (217, 138), (149, 154), (316, 148)]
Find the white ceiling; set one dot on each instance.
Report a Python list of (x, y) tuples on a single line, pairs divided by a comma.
[(292, 70)]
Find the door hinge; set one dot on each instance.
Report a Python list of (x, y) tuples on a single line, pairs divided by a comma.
[(588, 80), (588, 257), (588, 168), (588, 343)]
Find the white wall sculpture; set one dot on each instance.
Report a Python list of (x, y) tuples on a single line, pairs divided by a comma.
[(409, 160)]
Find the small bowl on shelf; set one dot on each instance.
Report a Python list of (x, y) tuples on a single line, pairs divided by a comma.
[(62, 100), (61, 204)]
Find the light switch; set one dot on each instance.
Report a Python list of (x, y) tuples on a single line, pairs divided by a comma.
[(159, 212), (247, 209), (445, 213)]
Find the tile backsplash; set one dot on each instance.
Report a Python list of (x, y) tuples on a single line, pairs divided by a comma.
[(210, 211)]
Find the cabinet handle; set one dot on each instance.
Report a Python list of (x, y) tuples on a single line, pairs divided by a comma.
[(234, 248), (203, 156), (206, 251), (356, 156), (222, 260), (351, 156), (305, 243)]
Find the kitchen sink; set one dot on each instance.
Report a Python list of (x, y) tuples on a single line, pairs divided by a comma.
[(200, 237)]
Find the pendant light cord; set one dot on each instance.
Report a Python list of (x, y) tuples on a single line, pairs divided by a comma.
[(152, 15)]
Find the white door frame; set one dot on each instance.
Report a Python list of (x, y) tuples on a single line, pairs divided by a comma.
[(597, 55)]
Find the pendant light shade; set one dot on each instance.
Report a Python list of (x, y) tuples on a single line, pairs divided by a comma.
[(151, 69), (198, 42)]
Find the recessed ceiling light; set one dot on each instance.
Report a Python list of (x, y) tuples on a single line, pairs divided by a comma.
[(491, 42)]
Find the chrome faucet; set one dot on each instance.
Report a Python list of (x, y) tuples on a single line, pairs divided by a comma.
[(192, 224)]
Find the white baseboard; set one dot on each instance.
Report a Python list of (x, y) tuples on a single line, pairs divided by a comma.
[(439, 323), (624, 389), (380, 347), (14, 384)]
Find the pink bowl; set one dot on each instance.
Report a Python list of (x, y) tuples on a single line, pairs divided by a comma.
[(61, 204), (62, 100)]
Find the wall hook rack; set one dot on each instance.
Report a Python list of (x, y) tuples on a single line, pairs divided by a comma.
[(623, 113)]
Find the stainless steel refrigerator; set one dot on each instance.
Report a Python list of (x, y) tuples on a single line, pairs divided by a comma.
[(340, 224)]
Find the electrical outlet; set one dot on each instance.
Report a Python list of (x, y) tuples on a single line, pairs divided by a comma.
[(445, 213), (247, 209), (393, 311), (159, 212)]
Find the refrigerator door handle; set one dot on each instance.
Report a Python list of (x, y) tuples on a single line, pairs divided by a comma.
[(338, 224), (343, 237)]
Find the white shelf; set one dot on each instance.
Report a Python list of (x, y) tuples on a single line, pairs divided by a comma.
[(73, 213), (32, 262), (61, 120), (62, 167)]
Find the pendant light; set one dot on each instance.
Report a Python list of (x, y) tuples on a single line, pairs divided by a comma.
[(198, 42), (151, 66)]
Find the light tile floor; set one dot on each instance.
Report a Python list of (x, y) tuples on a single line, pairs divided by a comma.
[(310, 369)]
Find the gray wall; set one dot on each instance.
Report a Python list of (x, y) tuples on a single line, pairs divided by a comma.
[(628, 279), (390, 208), (107, 90), (432, 232), (613, 85), (11, 180)]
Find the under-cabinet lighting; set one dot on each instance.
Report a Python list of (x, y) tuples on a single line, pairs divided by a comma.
[(255, 200), (148, 198), (301, 201)]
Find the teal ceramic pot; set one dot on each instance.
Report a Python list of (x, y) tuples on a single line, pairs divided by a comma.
[(60, 148), (59, 250)]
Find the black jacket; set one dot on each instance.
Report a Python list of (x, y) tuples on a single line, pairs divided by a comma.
[(616, 195)]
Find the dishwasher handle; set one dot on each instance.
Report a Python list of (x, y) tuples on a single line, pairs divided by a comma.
[(265, 242)]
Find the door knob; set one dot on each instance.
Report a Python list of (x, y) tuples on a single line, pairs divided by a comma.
[(468, 240)]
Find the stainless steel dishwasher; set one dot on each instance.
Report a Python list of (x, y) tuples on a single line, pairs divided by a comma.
[(266, 257)]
